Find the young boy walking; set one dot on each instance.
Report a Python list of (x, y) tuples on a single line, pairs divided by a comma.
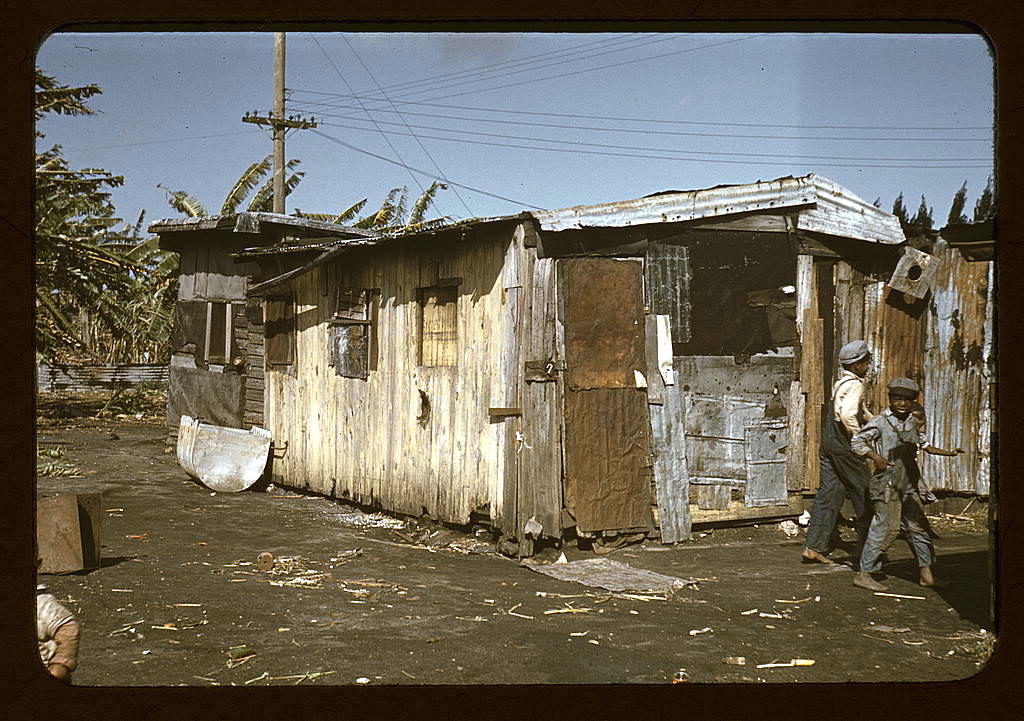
[(891, 440)]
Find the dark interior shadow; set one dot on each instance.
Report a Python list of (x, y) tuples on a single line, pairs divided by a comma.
[(970, 585)]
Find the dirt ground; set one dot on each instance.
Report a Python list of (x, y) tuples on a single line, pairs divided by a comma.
[(355, 600)]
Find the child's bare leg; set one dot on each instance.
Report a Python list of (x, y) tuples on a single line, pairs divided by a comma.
[(928, 579)]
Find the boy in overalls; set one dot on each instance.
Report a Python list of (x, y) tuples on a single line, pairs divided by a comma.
[(843, 474), (891, 440)]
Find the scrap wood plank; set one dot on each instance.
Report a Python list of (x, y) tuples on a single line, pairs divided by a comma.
[(611, 575)]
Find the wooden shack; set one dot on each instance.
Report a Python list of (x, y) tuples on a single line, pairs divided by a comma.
[(216, 367), (596, 370)]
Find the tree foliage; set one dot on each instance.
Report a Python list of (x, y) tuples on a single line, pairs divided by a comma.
[(900, 210), (393, 215), (956, 210), (923, 217), (985, 206), (256, 177), (101, 291)]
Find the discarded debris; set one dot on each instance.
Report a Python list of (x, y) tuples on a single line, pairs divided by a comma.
[(265, 561), (735, 660), (262, 676), (770, 615), (804, 519), (696, 631), (368, 520), (567, 608), (512, 612), (790, 529), (900, 595), (802, 600), (680, 676), (196, 605), (611, 575), (886, 640), (346, 556), (789, 664), (579, 633), (748, 613), (635, 597), (362, 680), (881, 628)]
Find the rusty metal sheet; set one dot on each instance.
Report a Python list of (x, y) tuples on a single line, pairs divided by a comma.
[(69, 532), (607, 478), (611, 575), (667, 269), (223, 459), (765, 449), (824, 207), (715, 435), (215, 397), (604, 326), (959, 370)]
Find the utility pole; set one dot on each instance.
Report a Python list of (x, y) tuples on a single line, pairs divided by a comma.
[(277, 121)]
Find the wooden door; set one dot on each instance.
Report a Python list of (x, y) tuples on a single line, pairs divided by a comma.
[(607, 431)]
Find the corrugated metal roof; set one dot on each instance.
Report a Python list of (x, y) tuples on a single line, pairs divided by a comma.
[(822, 206), (252, 222)]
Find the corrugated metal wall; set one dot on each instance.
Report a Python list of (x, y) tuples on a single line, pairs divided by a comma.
[(945, 343), (361, 439), (958, 372), (98, 377)]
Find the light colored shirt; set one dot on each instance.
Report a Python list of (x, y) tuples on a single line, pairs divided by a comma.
[(51, 619), (883, 433), (848, 401)]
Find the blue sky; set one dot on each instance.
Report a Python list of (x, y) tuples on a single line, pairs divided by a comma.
[(541, 120)]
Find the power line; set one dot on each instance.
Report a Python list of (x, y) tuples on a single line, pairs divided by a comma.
[(155, 142), (456, 82), (386, 138), (669, 150), (505, 111), (483, 69), (602, 67), (661, 157), (418, 141), (651, 132), (423, 172)]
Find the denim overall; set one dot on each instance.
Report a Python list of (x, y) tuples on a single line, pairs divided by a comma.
[(895, 499), (843, 473)]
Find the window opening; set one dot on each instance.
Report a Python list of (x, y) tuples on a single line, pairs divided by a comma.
[(438, 326)]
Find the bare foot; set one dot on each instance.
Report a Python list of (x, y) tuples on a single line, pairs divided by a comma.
[(928, 580), (810, 555), (862, 579)]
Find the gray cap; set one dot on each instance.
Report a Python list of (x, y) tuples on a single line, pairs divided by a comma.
[(907, 385), (855, 350)]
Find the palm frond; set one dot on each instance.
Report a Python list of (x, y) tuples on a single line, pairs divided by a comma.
[(423, 203), (263, 201), (244, 185), (184, 203), (386, 214), (350, 212)]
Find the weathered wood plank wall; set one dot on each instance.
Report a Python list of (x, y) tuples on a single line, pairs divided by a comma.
[(409, 438), (539, 448)]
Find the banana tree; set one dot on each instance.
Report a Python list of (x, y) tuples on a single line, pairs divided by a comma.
[(252, 178)]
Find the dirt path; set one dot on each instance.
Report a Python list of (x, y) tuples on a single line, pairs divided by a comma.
[(179, 600)]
